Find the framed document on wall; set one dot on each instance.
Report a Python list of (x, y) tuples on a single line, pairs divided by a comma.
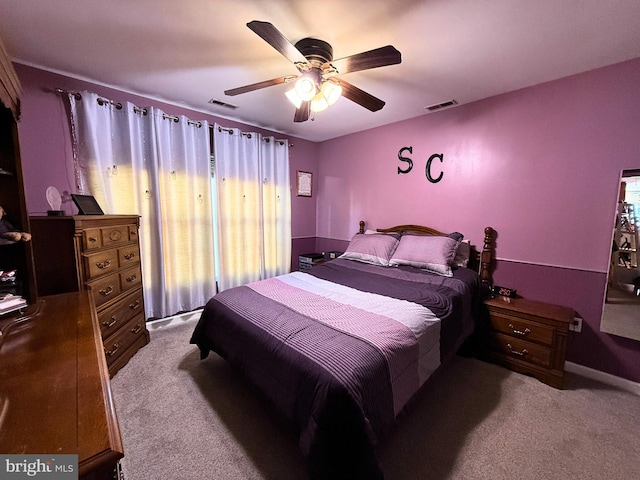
[(303, 183)]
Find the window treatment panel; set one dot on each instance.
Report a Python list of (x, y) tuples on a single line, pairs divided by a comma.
[(143, 162), (254, 206)]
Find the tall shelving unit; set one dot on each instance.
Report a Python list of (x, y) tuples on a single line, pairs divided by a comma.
[(16, 256), (627, 237)]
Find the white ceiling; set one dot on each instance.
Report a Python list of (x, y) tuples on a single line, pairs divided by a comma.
[(190, 51)]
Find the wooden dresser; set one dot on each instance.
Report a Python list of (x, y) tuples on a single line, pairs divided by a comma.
[(101, 254), (528, 337), (55, 396)]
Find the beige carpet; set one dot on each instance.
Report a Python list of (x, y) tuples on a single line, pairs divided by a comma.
[(186, 419)]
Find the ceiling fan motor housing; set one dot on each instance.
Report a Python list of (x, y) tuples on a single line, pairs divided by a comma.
[(317, 52)]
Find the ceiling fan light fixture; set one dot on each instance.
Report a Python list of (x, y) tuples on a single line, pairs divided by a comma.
[(306, 88), (293, 97), (319, 103), (331, 90)]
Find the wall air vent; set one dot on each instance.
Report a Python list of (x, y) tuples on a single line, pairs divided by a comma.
[(220, 103), (439, 106)]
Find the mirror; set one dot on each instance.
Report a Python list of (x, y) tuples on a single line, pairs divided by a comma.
[(621, 310)]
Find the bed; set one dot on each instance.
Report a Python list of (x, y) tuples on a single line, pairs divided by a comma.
[(341, 349)]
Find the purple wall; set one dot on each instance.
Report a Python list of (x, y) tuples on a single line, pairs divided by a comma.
[(540, 165)]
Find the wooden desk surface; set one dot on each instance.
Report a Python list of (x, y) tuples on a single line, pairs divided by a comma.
[(55, 395)]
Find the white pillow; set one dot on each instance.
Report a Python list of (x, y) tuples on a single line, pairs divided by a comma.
[(430, 252), (376, 249)]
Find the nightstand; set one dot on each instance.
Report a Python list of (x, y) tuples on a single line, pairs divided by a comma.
[(528, 337), (308, 260)]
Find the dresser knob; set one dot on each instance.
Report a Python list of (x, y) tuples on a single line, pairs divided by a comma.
[(105, 264)]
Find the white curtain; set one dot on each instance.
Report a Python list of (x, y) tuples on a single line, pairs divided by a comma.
[(141, 161), (254, 206)]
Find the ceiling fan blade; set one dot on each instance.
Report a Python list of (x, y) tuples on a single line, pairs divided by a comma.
[(361, 97), (277, 40), (379, 57), (259, 85), (302, 113)]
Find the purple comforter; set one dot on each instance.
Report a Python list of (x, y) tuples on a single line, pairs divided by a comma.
[(335, 386)]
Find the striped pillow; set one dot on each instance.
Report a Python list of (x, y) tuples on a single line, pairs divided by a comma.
[(430, 252)]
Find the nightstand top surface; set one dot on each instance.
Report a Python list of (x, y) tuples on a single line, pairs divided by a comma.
[(532, 307)]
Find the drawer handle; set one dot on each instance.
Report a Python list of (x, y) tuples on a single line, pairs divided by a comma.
[(515, 352), (132, 278), (111, 323), (105, 264), (106, 291), (519, 332), (112, 352), (129, 256), (93, 239), (133, 306), (136, 329)]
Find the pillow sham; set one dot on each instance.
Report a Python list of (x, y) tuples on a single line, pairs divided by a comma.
[(376, 249), (432, 253)]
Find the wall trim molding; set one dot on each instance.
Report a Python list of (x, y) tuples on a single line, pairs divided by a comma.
[(612, 380), (564, 267)]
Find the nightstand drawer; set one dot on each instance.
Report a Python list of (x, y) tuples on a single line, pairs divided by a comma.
[(522, 350), (520, 328)]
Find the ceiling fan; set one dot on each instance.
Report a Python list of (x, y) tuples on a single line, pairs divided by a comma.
[(317, 85)]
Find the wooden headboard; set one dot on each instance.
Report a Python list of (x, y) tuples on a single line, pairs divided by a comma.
[(480, 261)]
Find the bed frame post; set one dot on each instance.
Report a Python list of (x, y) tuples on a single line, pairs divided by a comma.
[(487, 257), (361, 226)]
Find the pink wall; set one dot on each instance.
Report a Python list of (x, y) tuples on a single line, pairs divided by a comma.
[(540, 165)]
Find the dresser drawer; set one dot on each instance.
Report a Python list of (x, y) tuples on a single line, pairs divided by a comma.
[(522, 328), (116, 235), (129, 255), (105, 288), (124, 337), (91, 239), (130, 278), (521, 350), (101, 263), (112, 318)]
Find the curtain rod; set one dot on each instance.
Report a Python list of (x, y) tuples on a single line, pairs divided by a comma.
[(136, 109), (144, 111), (248, 135)]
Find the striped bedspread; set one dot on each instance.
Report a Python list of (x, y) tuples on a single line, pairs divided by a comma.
[(339, 351)]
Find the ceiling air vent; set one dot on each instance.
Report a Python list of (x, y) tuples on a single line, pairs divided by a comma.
[(220, 103), (439, 106)]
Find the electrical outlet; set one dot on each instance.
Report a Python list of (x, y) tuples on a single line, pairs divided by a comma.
[(576, 326)]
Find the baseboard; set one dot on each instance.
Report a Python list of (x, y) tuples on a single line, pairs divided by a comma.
[(618, 382), (174, 320)]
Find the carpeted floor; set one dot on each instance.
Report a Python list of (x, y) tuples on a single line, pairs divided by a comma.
[(186, 419)]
